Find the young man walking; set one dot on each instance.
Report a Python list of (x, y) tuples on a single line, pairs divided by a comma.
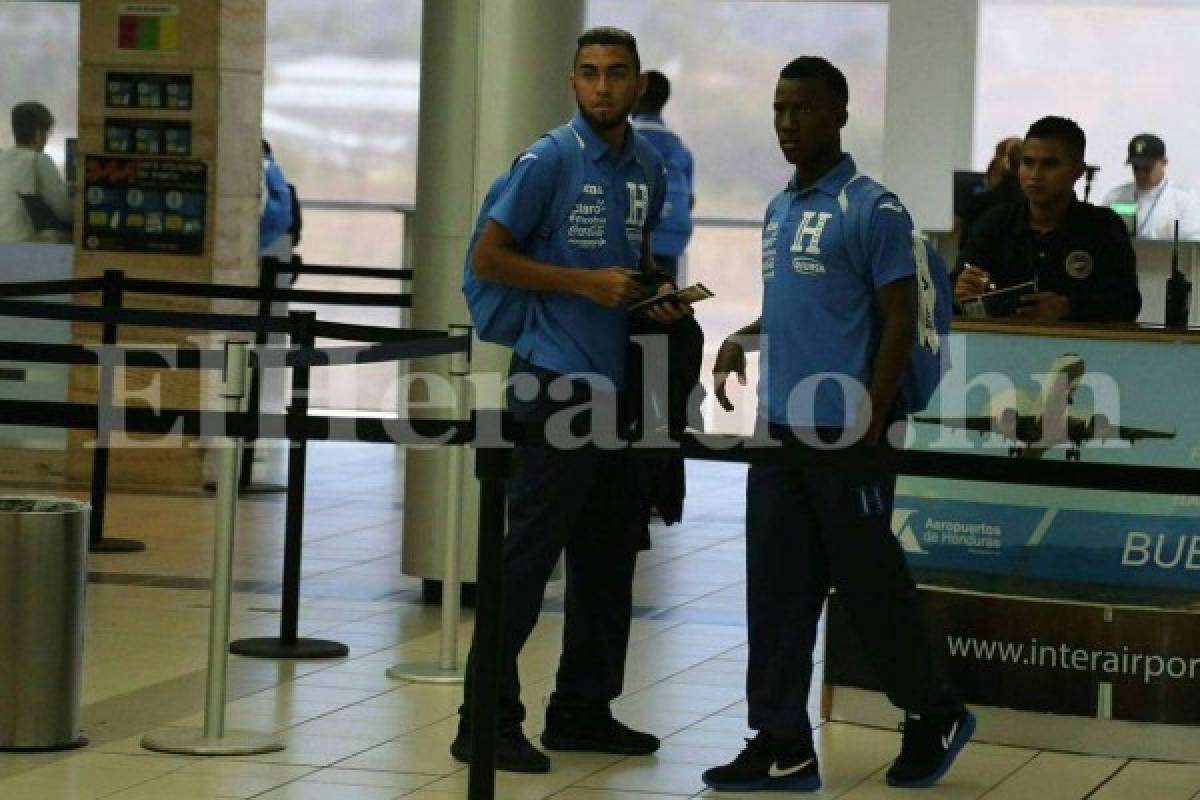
[(837, 330)]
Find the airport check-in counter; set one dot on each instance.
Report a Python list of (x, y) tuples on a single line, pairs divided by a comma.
[(34, 453), (1068, 618)]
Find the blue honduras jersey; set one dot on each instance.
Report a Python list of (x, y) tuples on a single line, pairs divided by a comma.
[(826, 248), (619, 199), (672, 236)]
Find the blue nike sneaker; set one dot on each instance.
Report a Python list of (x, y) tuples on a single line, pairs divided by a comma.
[(931, 743)]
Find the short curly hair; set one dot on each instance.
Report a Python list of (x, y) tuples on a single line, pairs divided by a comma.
[(29, 119), (610, 36), (818, 69)]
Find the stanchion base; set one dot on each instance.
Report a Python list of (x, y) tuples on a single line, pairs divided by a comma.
[(253, 487), (193, 742), (274, 647), (425, 672), (115, 545), (74, 744)]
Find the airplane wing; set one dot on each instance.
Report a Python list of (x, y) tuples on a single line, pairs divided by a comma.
[(980, 424), (1098, 427), (1133, 434)]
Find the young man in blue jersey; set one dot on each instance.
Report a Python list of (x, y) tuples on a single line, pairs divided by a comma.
[(839, 317), (569, 365), (671, 238)]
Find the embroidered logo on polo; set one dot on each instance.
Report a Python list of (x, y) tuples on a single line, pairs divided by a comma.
[(770, 234), (639, 204), (870, 500), (1079, 265), (807, 266), (808, 232), (807, 243), (639, 210), (586, 225)]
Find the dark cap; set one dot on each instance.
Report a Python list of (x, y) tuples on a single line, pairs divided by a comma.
[(1145, 149)]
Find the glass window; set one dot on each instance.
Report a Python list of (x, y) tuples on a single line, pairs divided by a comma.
[(1116, 68), (340, 96), (721, 95), (39, 59), (720, 104)]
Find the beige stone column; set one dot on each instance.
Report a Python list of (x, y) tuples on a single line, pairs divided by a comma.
[(493, 78), (169, 92)]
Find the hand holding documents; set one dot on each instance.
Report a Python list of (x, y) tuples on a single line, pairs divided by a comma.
[(998, 303), (690, 294)]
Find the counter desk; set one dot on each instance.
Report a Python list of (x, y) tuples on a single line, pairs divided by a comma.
[(1070, 619), (34, 453)]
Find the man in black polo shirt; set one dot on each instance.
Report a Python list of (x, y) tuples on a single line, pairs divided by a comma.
[(1079, 255)]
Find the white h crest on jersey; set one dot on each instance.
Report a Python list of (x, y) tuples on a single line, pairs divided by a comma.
[(639, 204), (811, 230)]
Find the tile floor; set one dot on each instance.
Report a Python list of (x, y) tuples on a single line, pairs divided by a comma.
[(353, 734)]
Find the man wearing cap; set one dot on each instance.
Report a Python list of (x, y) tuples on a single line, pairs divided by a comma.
[(1151, 199)]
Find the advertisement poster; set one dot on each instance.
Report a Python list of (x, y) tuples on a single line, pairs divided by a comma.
[(144, 205), (1059, 399)]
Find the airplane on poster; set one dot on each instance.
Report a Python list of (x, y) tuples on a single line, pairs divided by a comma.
[(1049, 423)]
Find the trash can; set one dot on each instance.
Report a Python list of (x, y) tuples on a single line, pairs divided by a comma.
[(43, 568)]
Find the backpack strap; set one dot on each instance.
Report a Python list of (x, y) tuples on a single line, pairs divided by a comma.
[(570, 181), (927, 297), (863, 202), (648, 159)]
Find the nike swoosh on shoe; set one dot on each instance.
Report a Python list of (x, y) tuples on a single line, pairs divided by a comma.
[(948, 739), (775, 771)]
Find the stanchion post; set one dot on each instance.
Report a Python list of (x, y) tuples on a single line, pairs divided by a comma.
[(213, 739), (267, 279), (447, 669), (289, 644), (268, 282), (268, 271), (106, 376), (491, 467)]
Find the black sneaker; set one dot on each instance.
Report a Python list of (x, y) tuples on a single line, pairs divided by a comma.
[(514, 753), (768, 764), (931, 743), (596, 735)]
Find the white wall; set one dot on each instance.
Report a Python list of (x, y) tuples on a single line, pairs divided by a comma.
[(930, 103)]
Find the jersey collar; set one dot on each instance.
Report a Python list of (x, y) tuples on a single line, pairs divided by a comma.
[(832, 182), (595, 147)]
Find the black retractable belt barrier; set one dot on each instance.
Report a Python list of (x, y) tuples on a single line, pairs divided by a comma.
[(41, 288), (106, 379), (298, 267), (289, 644), (194, 320), (231, 292)]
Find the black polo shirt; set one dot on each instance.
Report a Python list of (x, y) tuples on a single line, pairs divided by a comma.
[(1088, 258)]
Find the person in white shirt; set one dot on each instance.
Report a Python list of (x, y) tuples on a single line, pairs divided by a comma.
[(34, 203), (1151, 200)]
